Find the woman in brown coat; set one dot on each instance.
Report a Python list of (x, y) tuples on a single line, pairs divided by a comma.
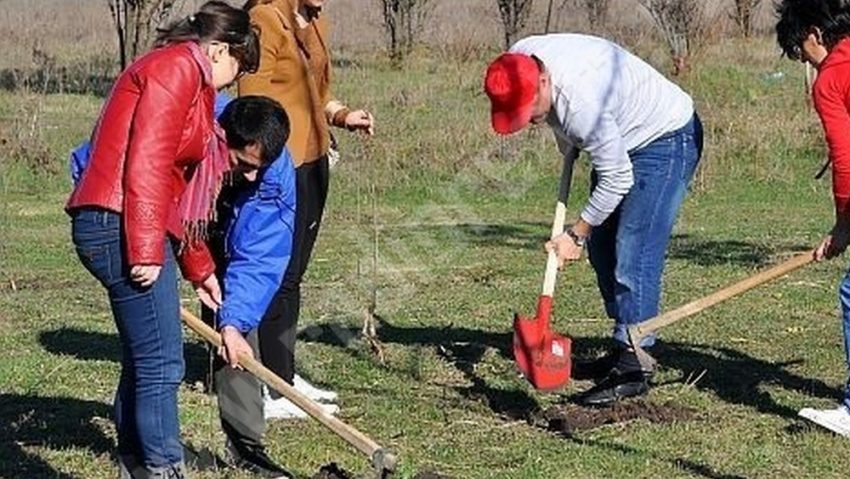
[(295, 70)]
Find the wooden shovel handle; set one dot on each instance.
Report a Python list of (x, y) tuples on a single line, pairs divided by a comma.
[(552, 260), (354, 437), (636, 333), (558, 224)]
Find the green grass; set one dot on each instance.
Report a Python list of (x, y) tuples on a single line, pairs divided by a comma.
[(462, 216)]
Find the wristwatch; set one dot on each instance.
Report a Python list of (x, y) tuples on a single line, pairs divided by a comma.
[(578, 240)]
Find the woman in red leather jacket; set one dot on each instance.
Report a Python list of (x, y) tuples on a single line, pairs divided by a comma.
[(151, 180)]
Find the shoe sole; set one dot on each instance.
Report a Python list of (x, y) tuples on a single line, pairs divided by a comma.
[(811, 415), (291, 416)]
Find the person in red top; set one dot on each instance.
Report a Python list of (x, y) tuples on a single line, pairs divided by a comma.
[(154, 171), (818, 32)]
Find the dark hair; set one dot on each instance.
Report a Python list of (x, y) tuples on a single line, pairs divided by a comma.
[(799, 18), (256, 120), (217, 21)]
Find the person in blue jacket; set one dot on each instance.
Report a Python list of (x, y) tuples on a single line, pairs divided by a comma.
[(251, 241)]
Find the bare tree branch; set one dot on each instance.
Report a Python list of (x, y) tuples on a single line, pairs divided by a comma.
[(680, 23), (514, 14), (404, 21), (136, 22)]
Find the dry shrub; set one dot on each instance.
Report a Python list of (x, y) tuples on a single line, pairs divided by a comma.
[(22, 141), (681, 25), (404, 21), (514, 15), (744, 13)]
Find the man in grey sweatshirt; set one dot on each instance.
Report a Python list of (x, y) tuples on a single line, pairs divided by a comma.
[(644, 140)]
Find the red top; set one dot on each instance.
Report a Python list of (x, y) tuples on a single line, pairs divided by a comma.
[(831, 93), (156, 124)]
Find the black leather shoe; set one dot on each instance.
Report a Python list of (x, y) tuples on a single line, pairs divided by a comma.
[(253, 459), (617, 386)]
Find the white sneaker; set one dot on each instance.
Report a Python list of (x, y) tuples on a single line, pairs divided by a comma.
[(312, 392), (283, 408), (836, 420)]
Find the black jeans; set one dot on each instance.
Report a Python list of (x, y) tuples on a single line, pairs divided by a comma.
[(278, 328)]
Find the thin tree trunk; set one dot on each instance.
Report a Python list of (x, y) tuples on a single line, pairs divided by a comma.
[(548, 16)]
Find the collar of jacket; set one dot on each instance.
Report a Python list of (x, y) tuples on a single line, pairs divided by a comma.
[(839, 54), (202, 60), (290, 9)]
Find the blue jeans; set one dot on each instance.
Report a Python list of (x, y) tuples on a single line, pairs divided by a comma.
[(844, 298), (148, 322), (627, 250)]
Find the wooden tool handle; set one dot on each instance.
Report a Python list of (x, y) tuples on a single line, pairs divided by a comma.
[(348, 433), (552, 260), (640, 331)]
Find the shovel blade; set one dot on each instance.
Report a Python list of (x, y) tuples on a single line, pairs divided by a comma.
[(542, 356)]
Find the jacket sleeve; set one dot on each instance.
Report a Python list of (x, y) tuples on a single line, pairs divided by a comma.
[(830, 96), (79, 160), (167, 91), (335, 110), (259, 255), (272, 37), (196, 261)]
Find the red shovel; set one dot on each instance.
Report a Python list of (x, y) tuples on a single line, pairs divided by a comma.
[(542, 355)]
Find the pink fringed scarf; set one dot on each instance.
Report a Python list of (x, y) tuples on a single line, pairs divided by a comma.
[(197, 204)]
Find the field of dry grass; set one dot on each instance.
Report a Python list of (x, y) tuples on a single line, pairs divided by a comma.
[(77, 30)]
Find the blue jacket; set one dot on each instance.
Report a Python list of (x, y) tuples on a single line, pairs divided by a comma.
[(258, 244), (258, 237)]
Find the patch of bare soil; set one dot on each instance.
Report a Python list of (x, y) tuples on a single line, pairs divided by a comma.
[(568, 419), (333, 471)]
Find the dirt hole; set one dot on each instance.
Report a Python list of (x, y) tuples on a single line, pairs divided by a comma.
[(333, 471), (568, 419)]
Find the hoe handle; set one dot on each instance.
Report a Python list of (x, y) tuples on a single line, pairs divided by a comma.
[(552, 260), (352, 436), (638, 332)]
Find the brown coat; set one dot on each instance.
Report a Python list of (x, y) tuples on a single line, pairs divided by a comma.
[(284, 75)]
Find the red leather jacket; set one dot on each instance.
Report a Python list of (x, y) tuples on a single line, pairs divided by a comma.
[(156, 124)]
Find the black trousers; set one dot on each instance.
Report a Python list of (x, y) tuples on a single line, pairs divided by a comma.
[(279, 326)]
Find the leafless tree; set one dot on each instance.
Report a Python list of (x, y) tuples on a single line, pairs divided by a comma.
[(136, 22), (680, 23), (514, 14), (549, 8), (744, 14), (597, 12), (404, 21)]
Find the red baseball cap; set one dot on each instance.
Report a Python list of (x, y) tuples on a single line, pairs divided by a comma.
[(511, 83)]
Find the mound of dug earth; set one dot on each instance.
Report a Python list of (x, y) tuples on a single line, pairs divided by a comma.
[(568, 419), (333, 471)]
